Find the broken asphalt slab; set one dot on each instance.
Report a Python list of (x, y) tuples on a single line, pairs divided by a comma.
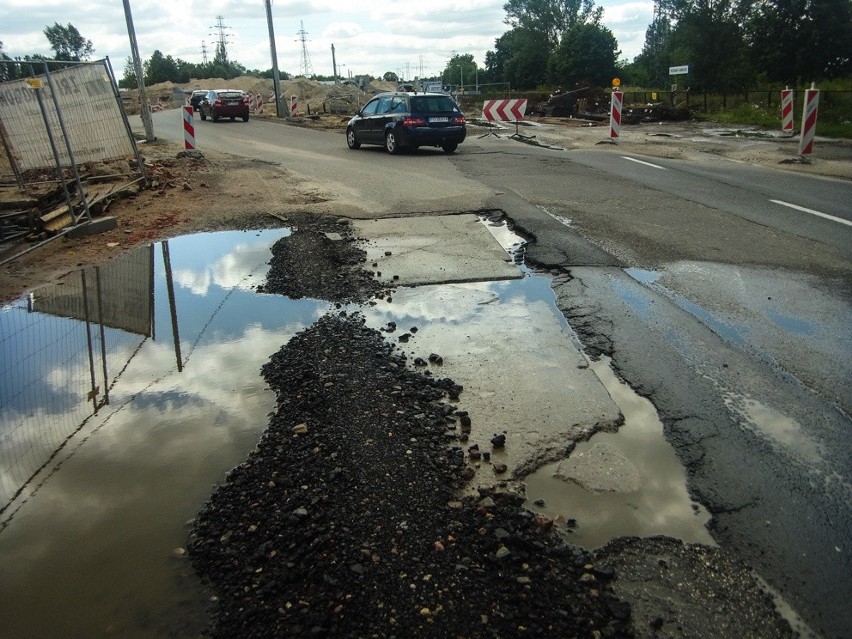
[(523, 376), (412, 251)]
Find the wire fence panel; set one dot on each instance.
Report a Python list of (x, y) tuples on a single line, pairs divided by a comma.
[(85, 97), (62, 349)]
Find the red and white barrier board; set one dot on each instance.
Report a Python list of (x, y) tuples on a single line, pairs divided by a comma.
[(293, 105), (504, 110), (809, 119), (615, 115), (188, 128), (259, 103), (787, 110)]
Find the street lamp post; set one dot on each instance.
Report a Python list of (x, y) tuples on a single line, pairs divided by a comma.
[(461, 74)]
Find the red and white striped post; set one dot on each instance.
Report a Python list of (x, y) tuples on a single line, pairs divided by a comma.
[(188, 128), (293, 105), (809, 120), (615, 115), (787, 100), (259, 108)]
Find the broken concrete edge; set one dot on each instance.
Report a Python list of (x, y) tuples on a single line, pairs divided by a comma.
[(100, 225), (560, 447), (449, 280)]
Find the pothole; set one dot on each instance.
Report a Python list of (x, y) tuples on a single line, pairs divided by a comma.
[(515, 354), (627, 483)]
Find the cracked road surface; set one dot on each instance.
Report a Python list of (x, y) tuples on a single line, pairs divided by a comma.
[(739, 335)]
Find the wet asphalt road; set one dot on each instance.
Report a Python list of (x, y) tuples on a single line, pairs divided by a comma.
[(762, 426)]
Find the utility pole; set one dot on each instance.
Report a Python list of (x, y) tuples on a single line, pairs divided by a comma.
[(137, 69), (334, 65), (204, 51), (276, 78)]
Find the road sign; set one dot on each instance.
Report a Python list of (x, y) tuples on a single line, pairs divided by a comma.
[(681, 70), (616, 82), (504, 110)]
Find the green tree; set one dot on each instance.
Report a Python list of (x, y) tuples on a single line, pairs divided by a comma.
[(587, 54), (460, 70), (551, 17), (67, 43), (520, 57), (799, 41), (650, 67), (390, 76), (544, 36), (128, 80), (159, 68), (709, 36)]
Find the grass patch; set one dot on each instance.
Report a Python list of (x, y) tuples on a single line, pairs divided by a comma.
[(752, 115)]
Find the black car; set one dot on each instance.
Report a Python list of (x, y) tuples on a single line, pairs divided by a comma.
[(224, 103), (399, 120), (196, 98)]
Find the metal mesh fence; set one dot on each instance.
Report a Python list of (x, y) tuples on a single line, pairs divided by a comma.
[(62, 349), (77, 106), (55, 126)]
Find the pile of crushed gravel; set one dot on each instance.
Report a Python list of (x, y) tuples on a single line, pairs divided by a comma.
[(345, 522), (320, 259)]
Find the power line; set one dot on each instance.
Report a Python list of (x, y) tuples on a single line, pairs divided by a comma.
[(222, 44), (305, 67)]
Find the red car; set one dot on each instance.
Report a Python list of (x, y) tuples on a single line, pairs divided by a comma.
[(224, 103)]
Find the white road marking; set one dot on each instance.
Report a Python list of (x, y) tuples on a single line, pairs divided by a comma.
[(812, 212), (656, 166)]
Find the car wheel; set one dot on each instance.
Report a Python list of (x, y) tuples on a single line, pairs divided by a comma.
[(391, 143), (214, 116), (245, 118), (232, 118), (351, 141), (450, 147), (203, 115)]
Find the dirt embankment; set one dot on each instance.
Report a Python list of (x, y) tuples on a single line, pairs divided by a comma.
[(312, 96)]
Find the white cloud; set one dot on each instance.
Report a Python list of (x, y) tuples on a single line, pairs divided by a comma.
[(370, 36)]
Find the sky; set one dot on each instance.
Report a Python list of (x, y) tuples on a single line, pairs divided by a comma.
[(411, 39)]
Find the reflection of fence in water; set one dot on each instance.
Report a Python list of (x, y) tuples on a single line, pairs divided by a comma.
[(62, 349)]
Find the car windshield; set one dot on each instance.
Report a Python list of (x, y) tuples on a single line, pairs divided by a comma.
[(230, 95), (432, 104)]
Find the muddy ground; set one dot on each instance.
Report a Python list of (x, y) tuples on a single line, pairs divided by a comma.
[(346, 520)]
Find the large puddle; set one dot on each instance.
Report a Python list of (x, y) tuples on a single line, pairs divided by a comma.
[(91, 544), (129, 390)]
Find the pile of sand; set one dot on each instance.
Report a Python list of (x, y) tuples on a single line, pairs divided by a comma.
[(311, 96)]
